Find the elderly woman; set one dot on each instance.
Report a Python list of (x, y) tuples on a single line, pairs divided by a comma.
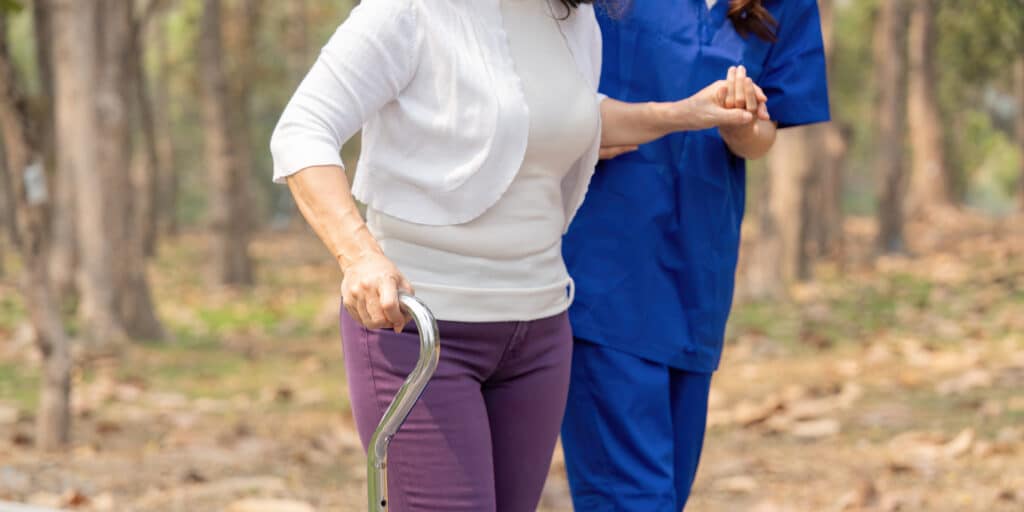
[(482, 125)]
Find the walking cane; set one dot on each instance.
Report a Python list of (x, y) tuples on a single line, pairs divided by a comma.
[(405, 399)]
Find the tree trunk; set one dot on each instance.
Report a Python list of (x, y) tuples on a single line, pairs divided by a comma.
[(829, 147), (779, 255), (791, 165), (929, 188), (890, 76), (229, 182), (297, 40), (147, 176), (63, 262), (26, 179), (168, 177), (78, 140), (132, 298), (1019, 79)]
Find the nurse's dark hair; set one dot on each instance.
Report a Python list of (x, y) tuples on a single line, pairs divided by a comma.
[(751, 17)]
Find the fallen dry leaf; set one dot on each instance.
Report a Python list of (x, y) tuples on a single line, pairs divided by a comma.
[(259, 505), (739, 484), (748, 413), (815, 429), (864, 495), (8, 414), (972, 379), (921, 450)]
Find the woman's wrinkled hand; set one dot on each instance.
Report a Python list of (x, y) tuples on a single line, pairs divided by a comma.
[(370, 292), (709, 109)]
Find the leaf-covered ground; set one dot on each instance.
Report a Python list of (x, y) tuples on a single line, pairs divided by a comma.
[(898, 386)]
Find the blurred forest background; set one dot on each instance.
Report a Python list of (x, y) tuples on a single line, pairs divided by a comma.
[(168, 334)]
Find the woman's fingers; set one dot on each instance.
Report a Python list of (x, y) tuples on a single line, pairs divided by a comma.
[(730, 97), (732, 117), (740, 90), (752, 104), (370, 292), (389, 305), (762, 112)]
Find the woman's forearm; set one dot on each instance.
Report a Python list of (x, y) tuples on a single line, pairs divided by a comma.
[(750, 142), (632, 124), (325, 199)]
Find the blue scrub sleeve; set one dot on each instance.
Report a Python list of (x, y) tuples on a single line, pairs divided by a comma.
[(794, 76)]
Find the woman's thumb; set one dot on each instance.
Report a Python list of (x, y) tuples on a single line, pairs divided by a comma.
[(734, 117)]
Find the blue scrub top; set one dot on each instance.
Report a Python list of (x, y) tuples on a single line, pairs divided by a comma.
[(653, 250)]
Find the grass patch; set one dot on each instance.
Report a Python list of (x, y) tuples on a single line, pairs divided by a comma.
[(19, 385), (12, 310)]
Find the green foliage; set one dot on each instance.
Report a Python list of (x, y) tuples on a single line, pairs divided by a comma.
[(979, 39), (11, 6), (991, 163), (19, 385)]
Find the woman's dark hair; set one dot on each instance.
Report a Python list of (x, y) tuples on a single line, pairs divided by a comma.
[(750, 17)]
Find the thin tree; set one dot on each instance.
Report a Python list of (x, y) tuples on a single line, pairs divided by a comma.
[(147, 175), (1019, 87), (63, 254), (25, 177), (75, 37), (167, 177), (229, 184), (114, 94), (929, 186), (890, 119), (825, 197), (778, 257)]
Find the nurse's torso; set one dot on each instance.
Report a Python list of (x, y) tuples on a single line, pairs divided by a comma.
[(653, 249)]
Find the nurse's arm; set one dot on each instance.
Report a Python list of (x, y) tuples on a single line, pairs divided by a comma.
[(750, 141), (631, 124)]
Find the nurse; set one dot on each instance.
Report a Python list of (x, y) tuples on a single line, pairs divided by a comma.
[(653, 250)]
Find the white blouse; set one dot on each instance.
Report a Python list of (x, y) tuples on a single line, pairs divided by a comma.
[(506, 265), (445, 122)]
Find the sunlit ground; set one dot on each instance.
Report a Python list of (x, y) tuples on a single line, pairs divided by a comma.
[(896, 387)]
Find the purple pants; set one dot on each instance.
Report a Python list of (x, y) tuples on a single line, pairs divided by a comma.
[(481, 437)]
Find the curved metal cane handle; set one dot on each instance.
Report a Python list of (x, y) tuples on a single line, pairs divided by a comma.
[(405, 399)]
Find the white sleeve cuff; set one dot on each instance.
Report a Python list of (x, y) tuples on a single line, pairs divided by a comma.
[(292, 156)]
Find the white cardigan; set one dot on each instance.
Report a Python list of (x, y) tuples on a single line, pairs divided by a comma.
[(445, 119)]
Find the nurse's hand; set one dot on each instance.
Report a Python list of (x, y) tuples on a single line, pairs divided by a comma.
[(370, 292), (743, 93)]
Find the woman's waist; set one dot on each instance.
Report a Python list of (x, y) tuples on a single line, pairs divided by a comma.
[(430, 264), (531, 234)]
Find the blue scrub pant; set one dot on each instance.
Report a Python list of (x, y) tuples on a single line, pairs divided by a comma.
[(633, 431)]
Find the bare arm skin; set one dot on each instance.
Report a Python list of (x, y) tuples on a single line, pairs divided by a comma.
[(631, 124), (371, 283), (735, 105)]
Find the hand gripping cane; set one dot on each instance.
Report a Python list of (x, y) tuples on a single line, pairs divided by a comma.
[(405, 399)]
